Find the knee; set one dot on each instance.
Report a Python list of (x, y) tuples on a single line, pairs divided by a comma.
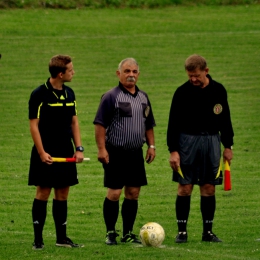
[(207, 190), (113, 195), (42, 196), (132, 196), (185, 190), (132, 193), (42, 193)]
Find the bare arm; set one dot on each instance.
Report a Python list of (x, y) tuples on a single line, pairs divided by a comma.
[(150, 154), (100, 134), (45, 157), (76, 138)]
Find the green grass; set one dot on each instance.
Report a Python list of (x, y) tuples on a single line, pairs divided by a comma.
[(97, 4), (160, 39)]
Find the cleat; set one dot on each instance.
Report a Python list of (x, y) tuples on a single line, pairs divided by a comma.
[(67, 242), (38, 245), (111, 238), (182, 237), (130, 238), (210, 237)]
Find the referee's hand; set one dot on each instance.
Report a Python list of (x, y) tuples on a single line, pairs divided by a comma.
[(79, 156), (150, 155), (174, 161), (103, 156), (46, 158)]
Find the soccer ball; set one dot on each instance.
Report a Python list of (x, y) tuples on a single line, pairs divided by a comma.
[(152, 234)]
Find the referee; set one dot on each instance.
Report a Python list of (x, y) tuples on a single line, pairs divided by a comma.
[(123, 123), (199, 122), (55, 131)]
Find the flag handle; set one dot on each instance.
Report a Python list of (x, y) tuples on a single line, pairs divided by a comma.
[(58, 159)]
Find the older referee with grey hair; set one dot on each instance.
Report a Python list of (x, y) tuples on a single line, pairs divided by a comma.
[(123, 123), (199, 122)]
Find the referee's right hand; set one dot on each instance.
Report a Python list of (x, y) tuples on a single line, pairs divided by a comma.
[(103, 156), (46, 158), (174, 161)]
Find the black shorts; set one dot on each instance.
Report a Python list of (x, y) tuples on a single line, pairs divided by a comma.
[(56, 175), (125, 168), (200, 157)]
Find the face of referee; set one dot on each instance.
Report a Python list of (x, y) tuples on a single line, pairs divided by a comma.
[(128, 75), (68, 75), (198, 77)]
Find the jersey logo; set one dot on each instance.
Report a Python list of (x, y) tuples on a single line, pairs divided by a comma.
[(147, 111), (217, 109), (62, 97)]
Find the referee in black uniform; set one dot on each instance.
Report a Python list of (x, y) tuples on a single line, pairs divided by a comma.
[(199, 122), (123, 123), (55, 132)]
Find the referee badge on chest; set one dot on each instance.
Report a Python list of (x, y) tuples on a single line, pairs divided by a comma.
[(217, 109), (147, 111)]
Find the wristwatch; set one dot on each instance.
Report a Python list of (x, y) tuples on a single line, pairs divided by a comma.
[(80, 149), (230, 147), (152, 146)]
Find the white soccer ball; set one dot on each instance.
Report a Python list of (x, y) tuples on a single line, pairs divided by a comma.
[(152, 234)]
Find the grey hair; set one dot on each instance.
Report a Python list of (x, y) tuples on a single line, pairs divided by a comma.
[(130, 60)]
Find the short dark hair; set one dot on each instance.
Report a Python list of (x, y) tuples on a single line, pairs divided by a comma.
[(194, 62), (58, 63)]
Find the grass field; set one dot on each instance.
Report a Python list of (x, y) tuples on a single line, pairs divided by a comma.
[(160, 39)]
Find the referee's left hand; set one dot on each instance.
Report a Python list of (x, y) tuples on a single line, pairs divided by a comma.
[(150, 155), (79, 156), (227, 155)]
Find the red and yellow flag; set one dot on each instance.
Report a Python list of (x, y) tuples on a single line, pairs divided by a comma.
[(227, 177), (57, 159)]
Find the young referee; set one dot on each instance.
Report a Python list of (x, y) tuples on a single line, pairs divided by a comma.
[(55, 132), (199, 122), (123, 123)]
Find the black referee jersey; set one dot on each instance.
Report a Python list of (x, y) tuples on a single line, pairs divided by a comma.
[(55, 109), (125, 116), (196, 110)]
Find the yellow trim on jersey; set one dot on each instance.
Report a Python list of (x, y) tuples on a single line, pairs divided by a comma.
[(62, 97), (56, 105), (70, 104), (76, 111), (55, 94), (61, 104), (39, 108)]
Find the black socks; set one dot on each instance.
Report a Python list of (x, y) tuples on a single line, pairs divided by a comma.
[(39, 212), (207, 206), (128, 212), (59, 212), (110, 213), (182, 212)]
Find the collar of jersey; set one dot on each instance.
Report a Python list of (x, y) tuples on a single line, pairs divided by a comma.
[(50, 87), (126, 91)]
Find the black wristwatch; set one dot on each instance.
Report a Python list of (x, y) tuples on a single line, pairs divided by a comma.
[(80, 149)]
